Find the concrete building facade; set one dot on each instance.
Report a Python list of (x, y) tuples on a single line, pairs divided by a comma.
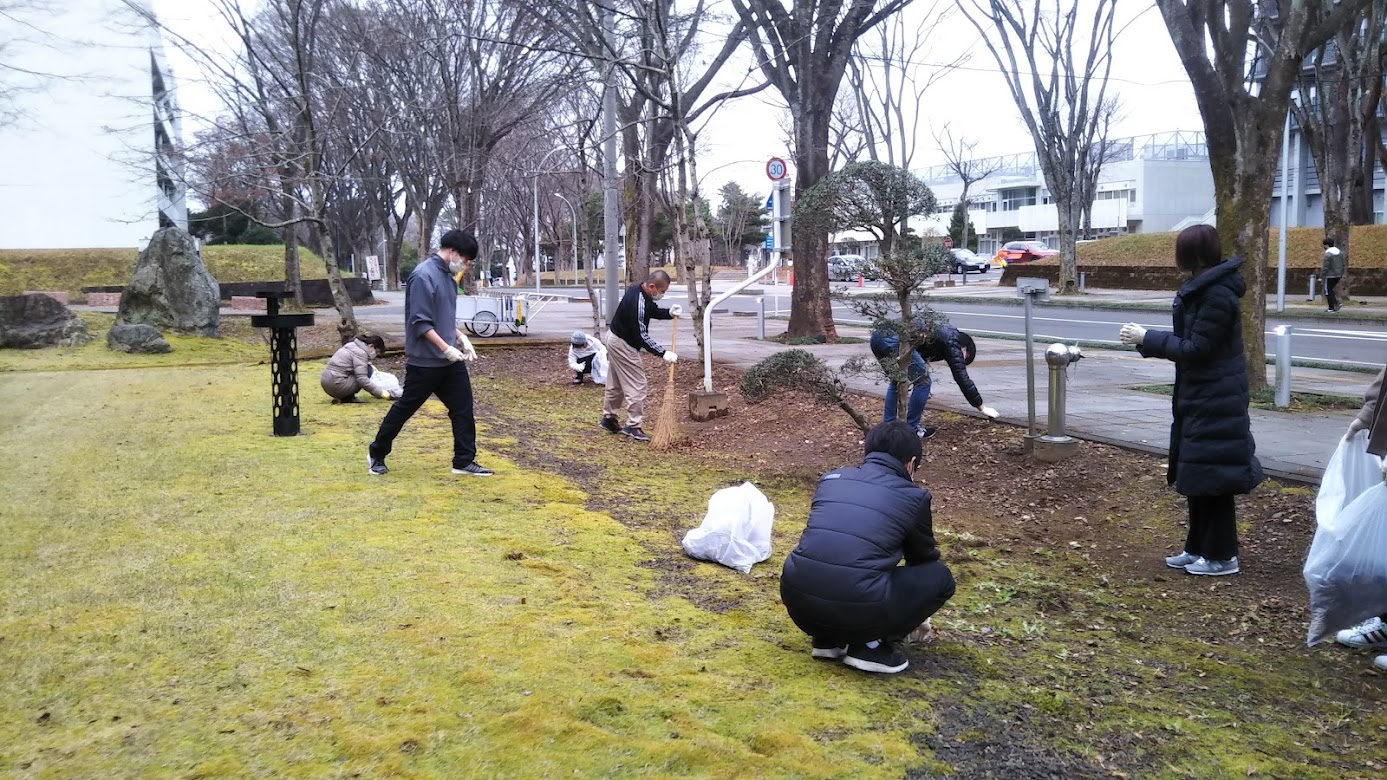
[(1150, 184), (92, 160)]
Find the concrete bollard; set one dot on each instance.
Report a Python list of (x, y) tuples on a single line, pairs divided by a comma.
[(1283, 365), (761, 318)]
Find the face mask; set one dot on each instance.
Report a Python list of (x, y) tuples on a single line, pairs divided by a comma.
[(455, 266), (657, 296), (371, 353)]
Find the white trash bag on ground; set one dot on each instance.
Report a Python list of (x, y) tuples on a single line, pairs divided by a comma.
[(387, 382), (1346, 569), (736, 532), (599, 367)]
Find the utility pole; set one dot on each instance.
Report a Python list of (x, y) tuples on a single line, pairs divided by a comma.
[(611, 205)]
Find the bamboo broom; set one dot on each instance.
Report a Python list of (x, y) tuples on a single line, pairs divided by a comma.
[(666, 433)]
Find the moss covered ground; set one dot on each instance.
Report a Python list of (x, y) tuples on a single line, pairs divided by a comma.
[(1368, 244), (186, 596)]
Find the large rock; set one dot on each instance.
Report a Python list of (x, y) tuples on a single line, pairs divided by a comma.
[(171, 288), (33, 321), (136, 338)]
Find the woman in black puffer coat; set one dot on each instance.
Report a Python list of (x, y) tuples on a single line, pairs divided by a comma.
[(1211, 448)]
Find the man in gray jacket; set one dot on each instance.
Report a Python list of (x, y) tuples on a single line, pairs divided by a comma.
[(434, 366)]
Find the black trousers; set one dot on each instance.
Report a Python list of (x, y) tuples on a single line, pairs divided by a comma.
[(916, 593), (586, 363), (1213, 530), (1330, 283), (453, 387)]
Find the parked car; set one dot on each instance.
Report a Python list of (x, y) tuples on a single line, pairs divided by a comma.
[(1022, 252), (845, 268), (967, 261)]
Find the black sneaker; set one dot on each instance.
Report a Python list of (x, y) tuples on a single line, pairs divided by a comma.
[(828, 649), (635, 432), (376, 466), (926, 433), (884, 659), (474, 470), (577, 380), (610, 425)]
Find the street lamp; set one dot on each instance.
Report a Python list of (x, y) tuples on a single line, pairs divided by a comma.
[(538, 170), (574, 212)]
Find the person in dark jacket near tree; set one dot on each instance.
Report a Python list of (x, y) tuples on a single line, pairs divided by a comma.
[(1333, 269), (842, 584), (628, 335), (1212, 453), (933, 343)]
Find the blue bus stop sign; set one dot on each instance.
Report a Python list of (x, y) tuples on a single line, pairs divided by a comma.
[(770, 241)]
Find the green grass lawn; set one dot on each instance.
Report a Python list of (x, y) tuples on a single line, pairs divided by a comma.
[(185, 595), (1368, 243), (72, 269)]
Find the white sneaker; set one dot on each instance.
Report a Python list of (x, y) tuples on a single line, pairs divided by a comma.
[(1370, 633), (1380, 663)]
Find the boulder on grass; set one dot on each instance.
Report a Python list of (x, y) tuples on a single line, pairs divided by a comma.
[(171, 288), (33, 321), (136, 338)]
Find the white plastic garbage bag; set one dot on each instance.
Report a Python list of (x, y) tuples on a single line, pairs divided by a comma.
[(1351, 470), (599, 366), (1346, 570), (385, 381), (736, 532)]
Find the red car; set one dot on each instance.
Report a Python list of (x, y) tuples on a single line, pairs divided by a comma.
[(1022, 252)]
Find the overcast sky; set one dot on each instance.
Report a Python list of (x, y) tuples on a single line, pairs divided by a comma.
[(1147, 76)]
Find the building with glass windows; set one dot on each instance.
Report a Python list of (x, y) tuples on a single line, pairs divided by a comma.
[(91, 154)]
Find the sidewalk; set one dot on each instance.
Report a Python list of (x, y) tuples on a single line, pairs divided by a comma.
[(1102, 407)]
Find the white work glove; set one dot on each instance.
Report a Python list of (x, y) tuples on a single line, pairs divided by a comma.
[(452, 354), (468, 353), (676, 310), (1132, 333), (671, 358), (988, 412), (1354, 427), (384, 395)]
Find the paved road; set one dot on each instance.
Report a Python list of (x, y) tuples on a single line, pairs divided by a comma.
[(1347, 343)]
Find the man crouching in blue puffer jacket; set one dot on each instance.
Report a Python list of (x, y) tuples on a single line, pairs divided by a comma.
[(842, 584)]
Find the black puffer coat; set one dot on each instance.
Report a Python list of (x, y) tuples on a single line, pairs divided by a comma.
[(1211, 446), (862, 521)]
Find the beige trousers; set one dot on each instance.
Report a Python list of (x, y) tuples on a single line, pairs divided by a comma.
[(625, 380)]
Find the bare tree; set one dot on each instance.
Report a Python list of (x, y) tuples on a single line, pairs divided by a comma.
[(804, 50), (959, 157), (888, 82), (1243, 58), (1059, 85), (23, 22), (1336, 87), (1099, 155)]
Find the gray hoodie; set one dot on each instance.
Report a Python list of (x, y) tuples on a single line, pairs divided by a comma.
[(1334, 263)]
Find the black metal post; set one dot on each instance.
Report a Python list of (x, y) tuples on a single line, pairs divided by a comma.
[(284, 362)]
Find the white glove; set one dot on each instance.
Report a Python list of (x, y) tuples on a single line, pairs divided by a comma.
[(988, 412), (1354, 427), (671, 358), (676, 310), (382, 394), (468, 353), (1132, 333), (452, 354)]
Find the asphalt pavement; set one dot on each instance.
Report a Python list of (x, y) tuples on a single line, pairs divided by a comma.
[(1103, 404)]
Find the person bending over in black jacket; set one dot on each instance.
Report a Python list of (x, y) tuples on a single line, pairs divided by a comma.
[(843, 585)]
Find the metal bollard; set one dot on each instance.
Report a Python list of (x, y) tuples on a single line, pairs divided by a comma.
[(1283, 365), (1057, 445), (1311, 294), (1083, 281), (284, 359), (761, 318)]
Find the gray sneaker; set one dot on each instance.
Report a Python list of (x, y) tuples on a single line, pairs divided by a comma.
[(375, 466), (1207, 568), (1181, 561)]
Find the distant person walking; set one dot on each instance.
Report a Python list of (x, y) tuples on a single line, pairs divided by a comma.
[(434, 366), (1212, 452), (627, 336), (1333, 268)]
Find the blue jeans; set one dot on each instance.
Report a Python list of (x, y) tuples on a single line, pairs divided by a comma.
[(885, 346)]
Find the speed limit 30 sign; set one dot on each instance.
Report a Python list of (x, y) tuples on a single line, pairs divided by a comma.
[(776, 169)]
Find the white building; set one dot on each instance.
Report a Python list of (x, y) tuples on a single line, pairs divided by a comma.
[(1150, 184), (92, 161)]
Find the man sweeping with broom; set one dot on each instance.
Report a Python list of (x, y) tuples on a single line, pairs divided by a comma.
[(627, 334)]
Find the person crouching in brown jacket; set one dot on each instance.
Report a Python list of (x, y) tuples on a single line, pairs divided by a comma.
[(350, 370)]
